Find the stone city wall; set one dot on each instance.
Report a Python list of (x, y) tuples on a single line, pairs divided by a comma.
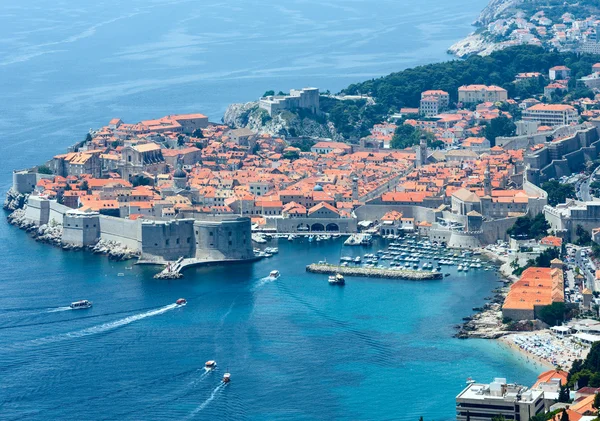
[(376, 212)]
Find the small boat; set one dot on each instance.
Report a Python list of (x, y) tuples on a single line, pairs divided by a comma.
[(120, 274), (337, 279), (209, 365), (80, 305), (226, 378), (181, 302), (274, 274)]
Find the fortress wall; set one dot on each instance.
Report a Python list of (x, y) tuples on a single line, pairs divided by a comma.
[(81, 230), (168, 240), (57, 212), (463, 240), (225, 240), (37, 211), (496, 230), (124, 231), (376, 212)]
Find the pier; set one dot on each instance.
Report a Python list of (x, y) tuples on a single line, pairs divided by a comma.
[(413, 275)]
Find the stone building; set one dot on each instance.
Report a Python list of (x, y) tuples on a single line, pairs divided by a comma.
[(307, 98), (146, 157)]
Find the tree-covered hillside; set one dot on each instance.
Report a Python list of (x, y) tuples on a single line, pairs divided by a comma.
[(353, 119)]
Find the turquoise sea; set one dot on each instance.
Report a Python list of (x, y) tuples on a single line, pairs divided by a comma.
[(296, 347)]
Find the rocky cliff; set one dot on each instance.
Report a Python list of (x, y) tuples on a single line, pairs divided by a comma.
[(285, 123), (494, 10), (476, 42)]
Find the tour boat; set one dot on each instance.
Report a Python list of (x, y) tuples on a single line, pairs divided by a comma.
[(337, 279), (181, 302), (226, 378), (80, 305), (209, 365), (274, 274)]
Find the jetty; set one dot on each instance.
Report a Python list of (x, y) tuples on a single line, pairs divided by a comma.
[(413, 275)]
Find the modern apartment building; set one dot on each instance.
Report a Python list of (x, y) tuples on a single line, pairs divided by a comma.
[(483, 402)]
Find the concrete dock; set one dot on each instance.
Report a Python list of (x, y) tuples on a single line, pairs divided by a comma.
[(387, 273)]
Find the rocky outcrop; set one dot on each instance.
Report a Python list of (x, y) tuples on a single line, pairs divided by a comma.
[(494, 10), (476, 42), (114, 250), (14, 200), (473, 44), (285, 123)]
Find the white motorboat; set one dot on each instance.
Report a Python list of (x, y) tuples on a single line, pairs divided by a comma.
[(80, 305), (337, 279), (274, 274)]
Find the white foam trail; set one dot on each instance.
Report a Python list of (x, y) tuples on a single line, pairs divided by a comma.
[(264, 281), (206, 402), (103, 327), (194, 382), (56, 310)]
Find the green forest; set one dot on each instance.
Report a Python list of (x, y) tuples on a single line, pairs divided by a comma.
[(403, 89)]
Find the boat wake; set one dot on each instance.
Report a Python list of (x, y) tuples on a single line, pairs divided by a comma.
[(103, 327), (263, 281), (204, 404), (206, 372), (58, 309)]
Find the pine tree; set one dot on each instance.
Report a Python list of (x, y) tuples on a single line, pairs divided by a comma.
[(564, 416)]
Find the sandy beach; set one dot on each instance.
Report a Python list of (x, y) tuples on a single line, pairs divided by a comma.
[(545, 348)]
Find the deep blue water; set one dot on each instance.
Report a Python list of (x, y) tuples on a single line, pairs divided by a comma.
[(297, 348)]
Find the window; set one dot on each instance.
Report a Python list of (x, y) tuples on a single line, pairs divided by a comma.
[(230, 243), (167, 242), (177, 241)]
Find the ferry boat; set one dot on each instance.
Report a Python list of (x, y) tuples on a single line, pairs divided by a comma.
[(337, 279), (274, 274), (226, 378), (80, 305), (181, 302), (209, 365)]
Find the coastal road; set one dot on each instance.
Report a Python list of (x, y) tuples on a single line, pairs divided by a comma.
[(587, 269), (583, 192)]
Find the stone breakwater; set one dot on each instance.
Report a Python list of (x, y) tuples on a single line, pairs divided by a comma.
[(52, 234), (373, 272)]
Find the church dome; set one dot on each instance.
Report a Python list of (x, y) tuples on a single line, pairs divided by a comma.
[(318, 187), (179, 173)]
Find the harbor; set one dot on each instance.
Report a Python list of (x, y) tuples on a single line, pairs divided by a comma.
[(388, 273)]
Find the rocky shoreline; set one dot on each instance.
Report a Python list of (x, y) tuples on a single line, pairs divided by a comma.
[(52, 233), (476, 43), (487, 322)]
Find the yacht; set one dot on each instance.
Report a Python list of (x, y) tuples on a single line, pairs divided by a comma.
[(80, 305), (274, 274), (337, 279)]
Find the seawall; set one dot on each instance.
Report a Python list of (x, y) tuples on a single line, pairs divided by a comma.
[(412, 275)]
